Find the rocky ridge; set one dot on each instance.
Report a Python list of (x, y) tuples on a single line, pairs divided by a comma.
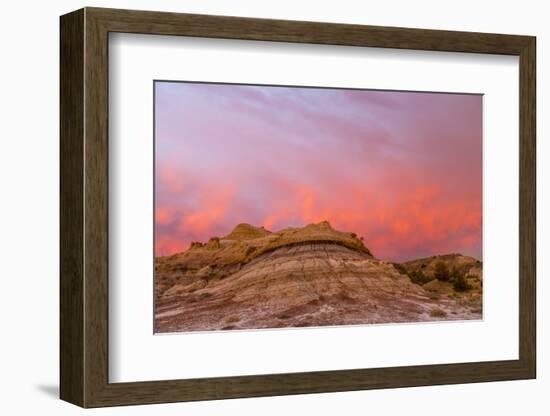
[(298, 277)]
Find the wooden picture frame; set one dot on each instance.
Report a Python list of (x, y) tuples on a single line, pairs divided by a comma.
[(84, 207)]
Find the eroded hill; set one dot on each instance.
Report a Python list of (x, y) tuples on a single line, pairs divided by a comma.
[(296, 277)]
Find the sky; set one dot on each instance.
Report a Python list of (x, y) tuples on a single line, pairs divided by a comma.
[(401, 169)]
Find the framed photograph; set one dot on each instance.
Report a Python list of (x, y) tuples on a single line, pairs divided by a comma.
[(254, 207)]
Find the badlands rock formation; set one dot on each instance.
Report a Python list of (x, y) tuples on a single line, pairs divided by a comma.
[(297, 277)]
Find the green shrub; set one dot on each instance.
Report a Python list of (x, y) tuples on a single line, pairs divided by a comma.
[(460, 283), (455, 274), (400, 268), (442, 272), (418, 277)]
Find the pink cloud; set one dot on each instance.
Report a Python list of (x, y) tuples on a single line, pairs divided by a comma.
[(401, 169)]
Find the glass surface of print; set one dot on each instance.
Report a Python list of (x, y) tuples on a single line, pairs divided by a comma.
[(280, 207)]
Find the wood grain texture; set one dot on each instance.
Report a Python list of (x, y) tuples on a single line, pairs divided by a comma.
[(162, 23), (84, 207), (96, 219), (71, 213), (527, 208)]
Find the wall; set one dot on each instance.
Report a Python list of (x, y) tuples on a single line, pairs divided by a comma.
[(29, 220)]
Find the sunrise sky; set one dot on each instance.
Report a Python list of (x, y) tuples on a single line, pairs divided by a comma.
[(401, 169)]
